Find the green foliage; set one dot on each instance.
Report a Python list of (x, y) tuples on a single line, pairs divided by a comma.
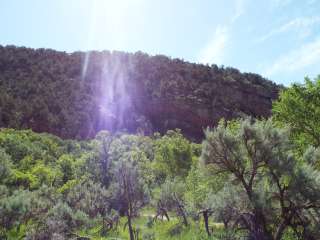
[(44, 175), (173, 155), (90, 198), (24, 179), (298, 107), (66, 166), (68, 186), (201, 182), (250, 182), (259, 158), (5, 166), (15, 209)]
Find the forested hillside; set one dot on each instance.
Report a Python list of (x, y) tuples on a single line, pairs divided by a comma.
[(76, 95)]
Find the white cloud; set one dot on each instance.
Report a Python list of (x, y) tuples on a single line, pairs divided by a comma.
[(298, 59), (302, 24), (239, 9), (213, 52)]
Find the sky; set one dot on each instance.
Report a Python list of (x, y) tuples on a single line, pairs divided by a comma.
[(278, 39)]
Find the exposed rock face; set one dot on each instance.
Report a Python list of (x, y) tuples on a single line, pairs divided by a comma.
[(79, 94), (195, 112)]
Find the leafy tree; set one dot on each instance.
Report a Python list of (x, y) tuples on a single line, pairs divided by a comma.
[(90, 198), (105, 160), (279, 189), (172, 198), (227, 204), (15, 210), (130, 191), (299, 108), (173, 155), (201, 184), (44, 175), (5, 166), (66, 165)]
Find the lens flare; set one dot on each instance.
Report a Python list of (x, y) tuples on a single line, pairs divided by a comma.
[(109, 19)]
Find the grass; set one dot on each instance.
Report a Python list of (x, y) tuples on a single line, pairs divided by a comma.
[(160, 229)]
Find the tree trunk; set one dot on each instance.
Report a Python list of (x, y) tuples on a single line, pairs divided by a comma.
[(206, 221), (259, 230), (185, 221), (161, 211), (182, 213), (255, 223), (166, 214), (131, 233), (280, 230), (226, 224)]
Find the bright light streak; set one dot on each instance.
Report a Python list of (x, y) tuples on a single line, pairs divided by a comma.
[(111, 19)]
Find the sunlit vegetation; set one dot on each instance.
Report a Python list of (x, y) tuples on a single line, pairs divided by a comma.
[(256, 179)]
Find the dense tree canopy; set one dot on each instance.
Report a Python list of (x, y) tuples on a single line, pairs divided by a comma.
[(249, 179), (299, 108), (54, 188), (76, 95)]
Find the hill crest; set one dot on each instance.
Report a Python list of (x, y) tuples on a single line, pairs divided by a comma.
[(75, 95)]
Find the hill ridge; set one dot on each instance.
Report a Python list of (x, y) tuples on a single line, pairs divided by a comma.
[(75, 95)]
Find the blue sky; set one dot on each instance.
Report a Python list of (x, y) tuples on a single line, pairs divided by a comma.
[(279, 39)]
